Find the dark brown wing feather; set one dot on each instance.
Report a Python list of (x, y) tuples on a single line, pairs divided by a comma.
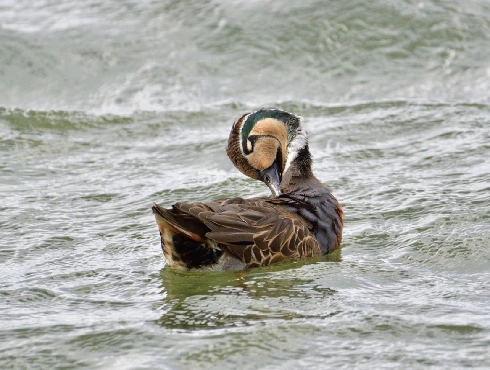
[(254, 230)]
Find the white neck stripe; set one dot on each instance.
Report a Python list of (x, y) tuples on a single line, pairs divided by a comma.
[(298, 143)]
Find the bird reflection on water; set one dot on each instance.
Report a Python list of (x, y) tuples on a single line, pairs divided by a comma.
[(199, 299)]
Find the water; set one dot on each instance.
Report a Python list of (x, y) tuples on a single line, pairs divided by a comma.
[(106, 108)]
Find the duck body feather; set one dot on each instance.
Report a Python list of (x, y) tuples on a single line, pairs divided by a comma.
[(254, 232)]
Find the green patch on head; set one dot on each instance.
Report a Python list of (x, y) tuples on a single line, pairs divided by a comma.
[(289, 119)]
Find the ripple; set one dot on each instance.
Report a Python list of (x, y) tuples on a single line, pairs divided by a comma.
[(109, 108)]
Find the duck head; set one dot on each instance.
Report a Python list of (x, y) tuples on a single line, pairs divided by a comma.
[(265, 145)]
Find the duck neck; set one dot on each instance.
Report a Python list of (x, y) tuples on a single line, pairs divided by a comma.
[(298, 171)]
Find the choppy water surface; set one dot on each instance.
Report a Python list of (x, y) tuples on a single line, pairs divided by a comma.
[(106, 108)]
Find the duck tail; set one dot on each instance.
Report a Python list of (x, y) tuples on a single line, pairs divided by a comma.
[(183, 239), (176, 222)]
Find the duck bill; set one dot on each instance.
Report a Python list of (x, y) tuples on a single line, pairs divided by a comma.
[(272, 178)]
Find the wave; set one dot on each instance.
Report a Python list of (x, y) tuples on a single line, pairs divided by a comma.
[(121, 58)]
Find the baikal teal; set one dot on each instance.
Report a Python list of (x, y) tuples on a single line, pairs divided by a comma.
[(107, 108)]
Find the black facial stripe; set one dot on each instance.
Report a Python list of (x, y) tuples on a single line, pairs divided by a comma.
[(279, 161)]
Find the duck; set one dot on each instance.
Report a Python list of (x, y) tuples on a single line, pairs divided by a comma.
[(300, 219)]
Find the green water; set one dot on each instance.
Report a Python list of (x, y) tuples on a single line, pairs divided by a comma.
[(108, 108)]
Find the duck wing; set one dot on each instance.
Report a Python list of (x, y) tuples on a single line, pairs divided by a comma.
[(254, 230)]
